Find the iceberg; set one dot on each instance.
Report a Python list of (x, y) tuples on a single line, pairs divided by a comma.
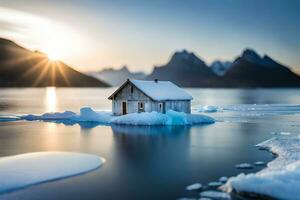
[(28, 169), (280, 179)]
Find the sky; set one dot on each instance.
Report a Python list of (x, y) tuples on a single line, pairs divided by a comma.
[(93, 34)]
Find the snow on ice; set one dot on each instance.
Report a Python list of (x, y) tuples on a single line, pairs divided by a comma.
[(280, 179), (28, 169)]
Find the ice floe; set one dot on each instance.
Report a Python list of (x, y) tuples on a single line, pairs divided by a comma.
[(195, 186), (28, 169), (215, 184), (243, 166), (213, 194), (285, 133), (280, 179), (208, 108), (259, 163), (146, 118)]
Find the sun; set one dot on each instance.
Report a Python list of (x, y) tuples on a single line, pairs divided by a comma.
[(53, 56)]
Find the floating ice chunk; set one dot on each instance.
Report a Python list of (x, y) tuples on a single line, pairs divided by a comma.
[(51, 116), (87, 114), (146, 118), (223, 179), (208, 108), (259, 163), (204, 198), (32, 168), (215, 184), (7, 118), (215, 195), (195, 186), (244, 166), (280, 179), (170, 118), (285, 133)]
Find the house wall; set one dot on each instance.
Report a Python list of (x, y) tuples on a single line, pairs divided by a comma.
[(132, 100)]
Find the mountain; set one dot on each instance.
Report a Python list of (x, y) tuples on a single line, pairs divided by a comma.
[(117, 77), (250, 69), (247, 70), (185, 69), (20, 67), (220, 68)]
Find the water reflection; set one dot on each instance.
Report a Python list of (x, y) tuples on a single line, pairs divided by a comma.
[(50, 99)]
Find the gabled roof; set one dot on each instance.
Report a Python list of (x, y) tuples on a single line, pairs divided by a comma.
[(157, 90)]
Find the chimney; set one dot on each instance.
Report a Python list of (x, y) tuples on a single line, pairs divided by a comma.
[(156, 80)]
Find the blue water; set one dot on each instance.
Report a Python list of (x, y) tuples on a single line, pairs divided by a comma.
[(143, 162)]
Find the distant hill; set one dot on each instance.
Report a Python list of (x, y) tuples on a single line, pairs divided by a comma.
[(20, 67), (248, 70), (117, 77)]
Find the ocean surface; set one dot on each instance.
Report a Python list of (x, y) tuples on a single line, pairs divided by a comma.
[(146, 162)]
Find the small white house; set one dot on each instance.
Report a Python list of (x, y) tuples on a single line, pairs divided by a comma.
[(136, 96)]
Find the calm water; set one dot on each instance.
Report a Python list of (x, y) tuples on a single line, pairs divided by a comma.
[(142, 162)]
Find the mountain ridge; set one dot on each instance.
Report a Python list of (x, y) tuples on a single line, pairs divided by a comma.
[(20, 67)]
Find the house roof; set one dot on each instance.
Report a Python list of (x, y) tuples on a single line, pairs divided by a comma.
[(158, 91)]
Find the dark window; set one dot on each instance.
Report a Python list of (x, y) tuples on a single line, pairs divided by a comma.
[(131, 89), (141, 106)]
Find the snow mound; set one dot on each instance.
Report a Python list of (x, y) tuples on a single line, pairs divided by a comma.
[(153, 118), (281, 178), (28, 169), (195, 186)]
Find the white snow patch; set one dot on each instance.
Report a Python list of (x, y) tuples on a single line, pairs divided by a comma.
[(243, 166), (195, 186), (280, 179), (215, 195), (153, 118), (28, 169)]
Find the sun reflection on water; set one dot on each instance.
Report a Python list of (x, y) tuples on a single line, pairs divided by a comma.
[(51, 101)]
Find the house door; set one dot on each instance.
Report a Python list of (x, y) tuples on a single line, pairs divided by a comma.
[(162, 108), (124, 108)]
